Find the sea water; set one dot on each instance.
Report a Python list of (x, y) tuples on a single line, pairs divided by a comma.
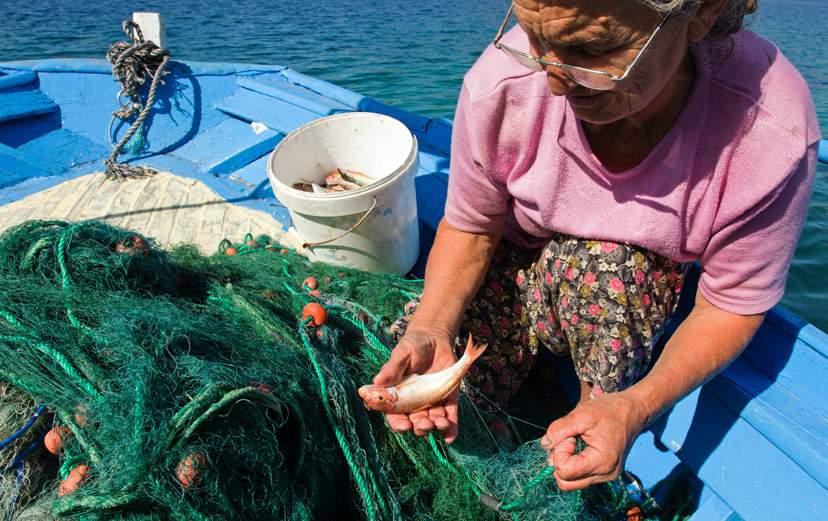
[(412, 54)]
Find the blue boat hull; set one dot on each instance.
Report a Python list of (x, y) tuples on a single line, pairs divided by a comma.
[(753, 440)]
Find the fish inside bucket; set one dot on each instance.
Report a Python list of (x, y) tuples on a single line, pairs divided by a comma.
[(348, 182), (339, 180)]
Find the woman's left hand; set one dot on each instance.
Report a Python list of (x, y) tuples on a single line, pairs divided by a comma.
[(608, 425)]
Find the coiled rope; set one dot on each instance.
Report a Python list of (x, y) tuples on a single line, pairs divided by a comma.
[(132, 65)]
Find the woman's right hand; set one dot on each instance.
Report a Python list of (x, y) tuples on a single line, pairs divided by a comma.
[(422, 350)]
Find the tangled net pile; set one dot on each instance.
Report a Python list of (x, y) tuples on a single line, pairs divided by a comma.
[(179, 386)]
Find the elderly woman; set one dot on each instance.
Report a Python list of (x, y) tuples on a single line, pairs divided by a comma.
[(599, 147)]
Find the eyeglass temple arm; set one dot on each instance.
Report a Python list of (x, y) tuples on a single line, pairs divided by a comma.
[(647, 44), (504, 24)]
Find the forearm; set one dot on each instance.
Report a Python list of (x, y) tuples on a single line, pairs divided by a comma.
[(456, 268), (705, 343)]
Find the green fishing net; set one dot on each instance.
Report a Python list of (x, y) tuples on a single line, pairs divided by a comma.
[(189, 387)]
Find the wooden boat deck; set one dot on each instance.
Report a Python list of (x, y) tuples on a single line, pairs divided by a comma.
[(171, 209)]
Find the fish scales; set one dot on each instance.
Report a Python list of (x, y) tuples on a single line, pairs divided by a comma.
[(417, 392)]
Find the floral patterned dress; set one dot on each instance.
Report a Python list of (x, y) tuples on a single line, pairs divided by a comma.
[(602, 303)]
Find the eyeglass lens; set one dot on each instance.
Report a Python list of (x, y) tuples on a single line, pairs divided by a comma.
[(591, 80), (584, 78)]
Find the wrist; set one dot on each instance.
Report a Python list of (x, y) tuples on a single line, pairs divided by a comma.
[(434, 321), (643, 407), (433, 328)]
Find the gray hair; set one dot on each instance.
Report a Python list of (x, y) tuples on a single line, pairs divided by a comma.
[(730, 20)]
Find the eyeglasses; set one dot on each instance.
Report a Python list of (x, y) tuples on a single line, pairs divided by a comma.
[(589, 78)]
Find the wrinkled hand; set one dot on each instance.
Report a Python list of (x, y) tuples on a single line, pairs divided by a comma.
[(422, 351), (608, 425)]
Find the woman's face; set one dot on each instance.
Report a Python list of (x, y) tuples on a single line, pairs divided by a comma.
[(604, 35)]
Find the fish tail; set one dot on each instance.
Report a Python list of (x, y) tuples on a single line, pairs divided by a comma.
[(474, 351)]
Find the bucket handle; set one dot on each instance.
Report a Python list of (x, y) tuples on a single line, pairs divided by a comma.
[(346, 232)]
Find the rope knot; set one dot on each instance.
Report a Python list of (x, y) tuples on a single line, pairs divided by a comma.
[(133, 31), (133, 64)]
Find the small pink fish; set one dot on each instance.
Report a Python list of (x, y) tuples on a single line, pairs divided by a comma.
[(336, 180), (420, 391)]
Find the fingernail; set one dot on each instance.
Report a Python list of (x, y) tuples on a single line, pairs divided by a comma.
[(544, 442)]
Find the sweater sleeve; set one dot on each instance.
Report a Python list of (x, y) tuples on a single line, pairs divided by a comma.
[(475, 202), (746, 262)]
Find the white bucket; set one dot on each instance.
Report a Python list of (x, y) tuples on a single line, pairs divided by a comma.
[(376, 145)]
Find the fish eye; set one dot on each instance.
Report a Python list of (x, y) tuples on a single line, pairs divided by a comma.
[(380, 398)]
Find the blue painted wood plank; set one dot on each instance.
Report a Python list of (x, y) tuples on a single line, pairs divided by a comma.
[(650, 464), (796, 427), (16, 104), (183, 108), (740, 464), (774, 394), (62, 149), (228, 146), (14, 167), (414, 122), (101, 66), (793, 354), (294, 94), (17, 79), (431, 198), (714, 508), (254, 177), (432, 163), (276, 114), (19, 131), (347, 97), (87, 65), (661, 472), (254, 173), (12, 172), (275, 210), (438, 135)]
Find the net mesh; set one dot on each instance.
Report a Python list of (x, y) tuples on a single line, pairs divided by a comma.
[(190, 388)]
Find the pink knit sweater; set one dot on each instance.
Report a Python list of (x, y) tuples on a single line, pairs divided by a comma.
[(728, 185)]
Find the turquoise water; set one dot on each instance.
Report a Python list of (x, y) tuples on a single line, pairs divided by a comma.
[(412, 54)]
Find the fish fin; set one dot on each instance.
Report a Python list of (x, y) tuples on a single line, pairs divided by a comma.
[(474, 351)]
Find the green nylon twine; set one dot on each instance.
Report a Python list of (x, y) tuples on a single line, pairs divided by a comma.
[(379, 346), (176, 357), (359, 480)]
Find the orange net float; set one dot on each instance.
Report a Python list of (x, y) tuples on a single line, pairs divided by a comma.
[(316, 312), (310, 283), (53, 441), (188, 471), (72, 483)]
